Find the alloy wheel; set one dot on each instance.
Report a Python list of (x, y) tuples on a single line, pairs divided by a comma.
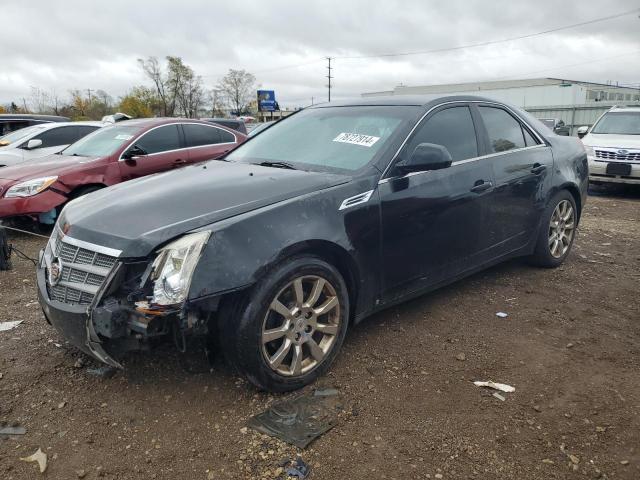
[(301, 326), (561, 228)]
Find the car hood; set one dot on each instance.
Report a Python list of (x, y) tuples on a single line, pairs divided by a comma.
[(612, 141), (138, 216), (43, 167), (8, 156)]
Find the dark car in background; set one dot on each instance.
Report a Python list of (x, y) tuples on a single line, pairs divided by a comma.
[(233, 123), (556, 125), (333, 213), (10, 122), (123, 151)]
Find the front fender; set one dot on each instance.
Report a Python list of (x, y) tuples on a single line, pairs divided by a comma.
[(244, 248)]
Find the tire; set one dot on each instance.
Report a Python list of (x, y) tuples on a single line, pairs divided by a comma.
[(5, 252), (252, 326), (557, 231)]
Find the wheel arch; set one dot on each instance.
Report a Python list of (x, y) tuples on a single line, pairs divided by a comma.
[(575, 193), (75, 191)]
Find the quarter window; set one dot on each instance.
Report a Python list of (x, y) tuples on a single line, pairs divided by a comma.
[(161, 139), (505, 132), (452, 128), (198, 135)]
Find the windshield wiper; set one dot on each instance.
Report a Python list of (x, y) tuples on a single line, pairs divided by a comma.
[(277, 165)]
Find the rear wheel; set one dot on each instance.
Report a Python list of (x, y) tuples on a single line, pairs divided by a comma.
[(557, 231), (287, 331)]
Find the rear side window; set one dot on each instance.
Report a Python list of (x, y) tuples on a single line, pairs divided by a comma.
[(198, 135), (226, 137), (57, 136), (505, 132), (452, 128), (84, 130), (160, 139)]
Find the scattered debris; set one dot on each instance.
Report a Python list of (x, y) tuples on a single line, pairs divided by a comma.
[(624, 462), (81, 473), (79, 363), (62, 404), (502, 314), (325, 392), (548, 461), (16, 429), (461, 356), (496, 386), (498, 396), (537, 408), (569, 345), (299, 420), (40, 457), (4, 326), (298, 468)]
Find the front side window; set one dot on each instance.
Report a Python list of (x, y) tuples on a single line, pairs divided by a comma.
[(618, 123), (452, 128), (160, 139), (55, 137), (197, 135), (505, 132), (103, 142), (342, 139), (20, 134)]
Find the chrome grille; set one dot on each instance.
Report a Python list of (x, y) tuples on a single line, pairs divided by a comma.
[(83, 270), (628, 156)]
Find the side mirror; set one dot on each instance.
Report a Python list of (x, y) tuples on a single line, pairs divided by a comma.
[(33, 143), (426, 156), (134, 153), (582, 131)]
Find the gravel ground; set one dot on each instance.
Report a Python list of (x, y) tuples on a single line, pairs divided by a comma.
[(570, 346)]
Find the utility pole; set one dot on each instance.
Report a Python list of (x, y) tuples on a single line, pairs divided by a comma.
[(311, 100), (329, 76), (89, 92)]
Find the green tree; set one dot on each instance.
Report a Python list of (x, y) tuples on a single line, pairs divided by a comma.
[(140, 102)]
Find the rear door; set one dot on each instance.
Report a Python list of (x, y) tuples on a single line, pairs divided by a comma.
[(205, 142), (433, 222), (156, 150), (522, 166)]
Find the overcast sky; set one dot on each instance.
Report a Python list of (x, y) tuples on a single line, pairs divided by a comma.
[(83, 44)]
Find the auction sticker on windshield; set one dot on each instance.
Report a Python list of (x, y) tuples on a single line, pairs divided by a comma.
[(356, 139), (124, 137)]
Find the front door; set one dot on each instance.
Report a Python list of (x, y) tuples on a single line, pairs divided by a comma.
[(521, 165), (433, 222), (154, 151)]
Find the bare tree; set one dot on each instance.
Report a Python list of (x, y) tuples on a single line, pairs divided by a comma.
[(153, 70), (238, 88)]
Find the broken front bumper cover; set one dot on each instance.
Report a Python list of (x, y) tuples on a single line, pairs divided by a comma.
[(74, 322)]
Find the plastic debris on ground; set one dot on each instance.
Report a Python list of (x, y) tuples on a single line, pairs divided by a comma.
[(15, 429), (298, 468), (300, 419), (496, 386), (4, 326), (40, 457), (498, 396), (104, 371), (502, 314)]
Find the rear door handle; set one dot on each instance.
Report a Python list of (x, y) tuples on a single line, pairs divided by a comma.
[(537, 168), (480, 186)]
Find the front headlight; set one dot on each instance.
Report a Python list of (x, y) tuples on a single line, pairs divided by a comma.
[(30, 187), (174, 266), (590, 151)]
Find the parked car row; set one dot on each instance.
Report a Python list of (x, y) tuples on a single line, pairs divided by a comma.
[(37, 184), (10, 122), (323, 218)]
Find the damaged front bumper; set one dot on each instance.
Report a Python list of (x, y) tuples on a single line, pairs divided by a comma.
[(74, 322)]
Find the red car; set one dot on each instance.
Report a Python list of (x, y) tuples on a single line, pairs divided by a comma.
[(113, 154)]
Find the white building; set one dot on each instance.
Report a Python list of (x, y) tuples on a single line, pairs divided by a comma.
[(575, 102)]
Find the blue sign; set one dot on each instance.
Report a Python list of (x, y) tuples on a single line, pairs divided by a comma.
[(267, 101)]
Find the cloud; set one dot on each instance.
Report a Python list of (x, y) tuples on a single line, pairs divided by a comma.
[(80, 44)]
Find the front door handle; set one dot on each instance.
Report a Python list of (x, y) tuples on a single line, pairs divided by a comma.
[(538, 169), (179, 161), (480, 186)]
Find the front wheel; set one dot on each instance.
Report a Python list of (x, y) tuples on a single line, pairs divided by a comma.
[(557, 231), (288, 330)]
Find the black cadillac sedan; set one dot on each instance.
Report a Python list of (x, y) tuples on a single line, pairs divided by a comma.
[(331, 214)]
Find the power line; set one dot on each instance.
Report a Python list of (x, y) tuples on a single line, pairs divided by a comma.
[(492, 42)]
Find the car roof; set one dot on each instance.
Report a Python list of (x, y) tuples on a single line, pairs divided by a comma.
[(28, 116), (404, 100), (48, 126), (618, 109), (154, 122)]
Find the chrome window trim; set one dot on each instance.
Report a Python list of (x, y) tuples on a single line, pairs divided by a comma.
[(542, 143), (112, 252), (235, 138)]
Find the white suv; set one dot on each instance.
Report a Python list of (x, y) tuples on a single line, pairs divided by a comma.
[(613, 146)]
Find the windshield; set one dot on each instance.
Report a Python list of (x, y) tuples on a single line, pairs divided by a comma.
[(19, 134), (328, 138), (620, 123), (102, 142)]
